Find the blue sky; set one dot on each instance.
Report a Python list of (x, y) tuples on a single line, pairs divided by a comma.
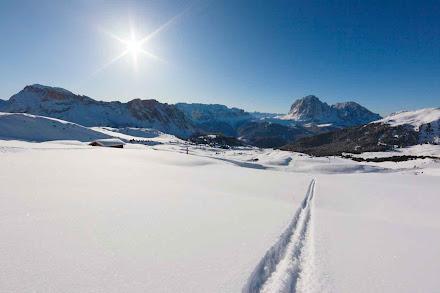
[(256, 55)]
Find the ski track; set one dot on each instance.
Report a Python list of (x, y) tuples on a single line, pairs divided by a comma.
[(282, 266)]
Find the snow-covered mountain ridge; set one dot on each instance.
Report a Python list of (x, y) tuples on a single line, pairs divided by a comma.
[(426, 122), (62, 104), (397, 130), (415, 118)]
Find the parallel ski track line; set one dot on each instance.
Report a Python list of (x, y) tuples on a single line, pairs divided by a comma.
[(279, 269)]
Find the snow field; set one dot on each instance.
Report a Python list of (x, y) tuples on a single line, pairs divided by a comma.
[(77, 218), (137, 220)]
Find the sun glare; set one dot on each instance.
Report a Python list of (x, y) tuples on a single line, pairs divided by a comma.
[(134, 47)]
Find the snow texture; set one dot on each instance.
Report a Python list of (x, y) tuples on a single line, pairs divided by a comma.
[(76, 218), (280, 268)]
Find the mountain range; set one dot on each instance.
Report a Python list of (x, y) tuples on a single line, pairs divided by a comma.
[(62, 104), (307, 116)]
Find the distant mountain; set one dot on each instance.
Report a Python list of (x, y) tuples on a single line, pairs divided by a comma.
[(307, 117), (311, 110), (63, 104), (258, 129), (261, 115), (208, 112), (214, 118), (3, 104), (397, 130)]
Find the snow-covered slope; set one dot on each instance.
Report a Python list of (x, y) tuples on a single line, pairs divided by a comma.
[(425, 121), (311, 110), (139, 134), (154, 219), (27, 127), (414, 118), (62, 104)]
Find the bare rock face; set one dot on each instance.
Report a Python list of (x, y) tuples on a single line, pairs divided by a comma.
[(352, 113), (154, 111), (311, 110), (62, 104), (3, 105)]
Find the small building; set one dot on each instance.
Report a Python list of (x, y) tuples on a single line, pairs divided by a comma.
[(108, 142)]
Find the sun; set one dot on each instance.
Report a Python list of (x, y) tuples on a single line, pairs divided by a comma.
[(134, 47)]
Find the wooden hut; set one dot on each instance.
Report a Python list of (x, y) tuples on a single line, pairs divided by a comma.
[(108, 142)]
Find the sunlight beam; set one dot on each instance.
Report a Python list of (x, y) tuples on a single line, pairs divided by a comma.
[(134, 45), (112, 35), (166, 24), (111, 62), (151, 55)]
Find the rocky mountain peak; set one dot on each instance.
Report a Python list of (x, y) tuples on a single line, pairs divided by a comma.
[(346, 105), (48, 93), (311, 110)]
